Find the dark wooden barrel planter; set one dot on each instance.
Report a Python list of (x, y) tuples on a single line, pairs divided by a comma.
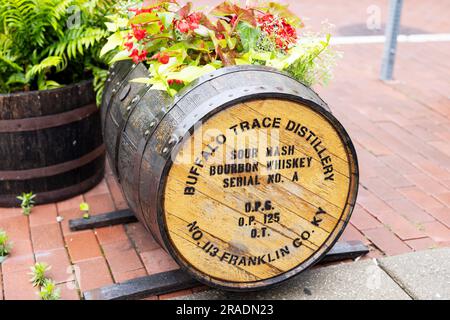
[(239, 216), (50, 143)]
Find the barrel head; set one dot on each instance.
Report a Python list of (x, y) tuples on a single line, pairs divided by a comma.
[(259, 192)]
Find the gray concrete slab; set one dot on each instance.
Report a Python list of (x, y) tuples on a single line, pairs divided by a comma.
[(423, 274), (350, 281)]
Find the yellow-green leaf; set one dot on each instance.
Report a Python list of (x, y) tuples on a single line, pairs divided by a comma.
[(191, 73), (122, 55), (84, 207), (145, 17), (113, 42)]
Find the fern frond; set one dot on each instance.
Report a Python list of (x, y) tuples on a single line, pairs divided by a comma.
[(36, 41), (77, 41), (17, 78), (52, 61)]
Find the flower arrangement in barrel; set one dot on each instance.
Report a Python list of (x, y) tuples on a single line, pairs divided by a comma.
[(180, 44)]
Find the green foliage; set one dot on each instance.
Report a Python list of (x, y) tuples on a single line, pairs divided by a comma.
[(249, 35), (49, 291), (84, 207), (314, 63), (45, 44), (180, 45), (281, 10), (27, 202), (38, 274), (5, 246)]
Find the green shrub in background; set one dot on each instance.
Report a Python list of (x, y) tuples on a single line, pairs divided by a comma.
[(46, 44)]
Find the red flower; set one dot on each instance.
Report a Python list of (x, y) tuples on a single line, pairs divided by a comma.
[(279, 28), (161, 57), (194, 19), (143, 55), (182, 26), (279, 43), (191, 22), (139, 34), (174, 81), (129, 45), (164, 58), (138, 57)]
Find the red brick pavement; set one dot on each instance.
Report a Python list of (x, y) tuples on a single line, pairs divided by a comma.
[(401, 131)]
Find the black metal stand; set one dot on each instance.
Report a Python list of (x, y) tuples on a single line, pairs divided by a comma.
[(103, 220), (171, 281)]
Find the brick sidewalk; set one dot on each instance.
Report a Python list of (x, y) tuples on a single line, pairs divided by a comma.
[(401, 132)]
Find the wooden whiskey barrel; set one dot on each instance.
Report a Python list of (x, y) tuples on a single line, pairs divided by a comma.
[(256, 194), (50, 143)]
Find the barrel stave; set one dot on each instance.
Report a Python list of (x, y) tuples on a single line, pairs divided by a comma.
[(141, 123), (117, 112), (117, 74)]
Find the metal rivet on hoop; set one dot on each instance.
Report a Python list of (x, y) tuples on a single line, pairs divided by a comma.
[(147, 132), (135, 99), (165, 150), (152, 124)]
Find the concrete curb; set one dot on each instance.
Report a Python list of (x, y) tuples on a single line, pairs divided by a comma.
[(417, 275), (423, 275)]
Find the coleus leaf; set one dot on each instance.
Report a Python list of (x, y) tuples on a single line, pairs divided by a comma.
[(185, 10), (204, 20), (143, 18), (166, 18), (227, 8), (283, 11), (225, 28), (217, 43), (190, 73), (199, 45), (228, 58), (153, 28)]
